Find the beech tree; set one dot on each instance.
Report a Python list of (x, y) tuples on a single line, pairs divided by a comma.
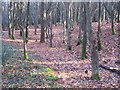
[(85, 33), (22, 26), (80, 24), (68, 25), (99, 30), (36, 17), (11, 20), (112, 16), (94, 55), (42, 39)]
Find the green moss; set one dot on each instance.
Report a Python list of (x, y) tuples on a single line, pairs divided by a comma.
[(113, 31), (79, 42), (83, 53), (95, 77), (64, 41), (26, 56), (26, 34), (99, 45), (50, 78), (11, 37), (69, 48), (49, 70), (80, 57)]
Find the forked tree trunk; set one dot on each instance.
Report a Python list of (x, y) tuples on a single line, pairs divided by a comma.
[(22, 25), (111, 14)]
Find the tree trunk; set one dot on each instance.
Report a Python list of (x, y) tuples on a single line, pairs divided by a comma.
[(27, 20), (9, 32), (22, 24), (42, 39), (36, 18), (112, 22), (111, 14), (64, 24), (99, 30), (13, 11), (118, 9), (68, 26), (80, 24), (85, 35), (94, 55)]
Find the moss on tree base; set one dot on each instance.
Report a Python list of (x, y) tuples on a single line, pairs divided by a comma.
[(99, 45), (83, 57), (113, 31), (69, 48), (11, 37), (95, 77), (26, 56), (64, 41), (79, 42)]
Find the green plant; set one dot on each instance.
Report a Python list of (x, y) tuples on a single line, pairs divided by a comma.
[(50, 78)]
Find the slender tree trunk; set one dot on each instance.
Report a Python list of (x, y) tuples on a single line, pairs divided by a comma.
[(11, 21), (51, 35), (9, 32), (64, 25), (84, 36), (22, 25), (118, 16), (13, 11), (49, 22), (36, 17), (68, 26), (42, 39), (118, 9), (27, 20), (112, 22), (80, 25), (99, 30)]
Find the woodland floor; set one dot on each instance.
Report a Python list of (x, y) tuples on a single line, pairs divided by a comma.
[(56, 67)]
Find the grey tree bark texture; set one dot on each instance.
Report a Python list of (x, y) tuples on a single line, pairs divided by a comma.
[(94, 55)]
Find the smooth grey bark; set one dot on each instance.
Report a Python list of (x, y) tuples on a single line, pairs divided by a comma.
[(27, 21), (99, 29), (80, 24), (84, 43), (49, 22), (64, 23), (22, 26), (11, 21), (42, 39), (36, 18), (68, 25), (94, 54)]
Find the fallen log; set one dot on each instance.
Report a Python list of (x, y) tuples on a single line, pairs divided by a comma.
[(115, 70)]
